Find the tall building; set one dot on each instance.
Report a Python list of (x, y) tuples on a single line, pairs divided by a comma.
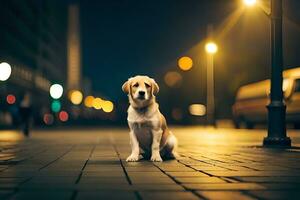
[(74, 54), (33, 41)]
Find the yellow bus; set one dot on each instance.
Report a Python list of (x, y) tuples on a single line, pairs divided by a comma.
[(251, 101)]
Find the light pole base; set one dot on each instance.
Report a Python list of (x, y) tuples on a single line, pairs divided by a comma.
[(277, 142)]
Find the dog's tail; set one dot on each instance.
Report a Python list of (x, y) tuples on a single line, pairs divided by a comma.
[(173, 143)]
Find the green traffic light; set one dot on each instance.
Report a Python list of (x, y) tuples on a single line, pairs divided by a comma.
[(55, 106)]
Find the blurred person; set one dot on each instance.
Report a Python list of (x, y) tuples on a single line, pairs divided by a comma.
[(25, 113)]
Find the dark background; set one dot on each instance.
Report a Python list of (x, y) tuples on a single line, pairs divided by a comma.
[(124, 38), (120, 39)]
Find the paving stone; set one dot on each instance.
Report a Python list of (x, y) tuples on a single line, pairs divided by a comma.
[(146, 174), (153, 180), (224, 195), (91, 166), (199, 180), (168, 195), (103, 180), (224, 186), (282, 195), (253, 173), (45, 195), (262, 179), (177, 169), (112, 195), (187, 174)]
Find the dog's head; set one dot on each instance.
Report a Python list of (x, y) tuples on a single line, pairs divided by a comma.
[(140, 89)]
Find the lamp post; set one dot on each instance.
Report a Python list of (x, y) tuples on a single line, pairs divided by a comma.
[(276, 109), (211, 48)]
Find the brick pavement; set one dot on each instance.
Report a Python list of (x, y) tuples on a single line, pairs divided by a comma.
[(89, 164)]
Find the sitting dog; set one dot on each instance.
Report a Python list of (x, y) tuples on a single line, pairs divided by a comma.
[(148, 127)]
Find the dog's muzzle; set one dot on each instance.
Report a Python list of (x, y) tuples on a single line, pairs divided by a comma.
[(141, 95)]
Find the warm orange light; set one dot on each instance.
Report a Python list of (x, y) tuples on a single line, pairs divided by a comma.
[(107, 106), (197, 109), (249, 2), (88, 101), (97, 103), (75, 97), (172, 78), (185, 63), (211, 48)]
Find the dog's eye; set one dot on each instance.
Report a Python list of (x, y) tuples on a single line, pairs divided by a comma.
[(147, 85), (136, 85)]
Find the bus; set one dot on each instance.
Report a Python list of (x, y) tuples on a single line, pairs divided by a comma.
[(251, 100)]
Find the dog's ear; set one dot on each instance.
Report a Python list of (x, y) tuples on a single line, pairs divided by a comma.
[(155, 88), (125, 87)]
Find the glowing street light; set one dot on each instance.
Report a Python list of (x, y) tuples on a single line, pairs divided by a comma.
[(211, 48), (249, 2), (56, 91), (5, 71)]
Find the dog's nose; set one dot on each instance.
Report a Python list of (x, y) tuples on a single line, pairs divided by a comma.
[(141, 93)]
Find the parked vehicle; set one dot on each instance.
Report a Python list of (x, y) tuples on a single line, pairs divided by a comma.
[(251, 101)]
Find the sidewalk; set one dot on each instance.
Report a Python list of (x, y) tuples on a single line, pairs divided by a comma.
[(90, 164)]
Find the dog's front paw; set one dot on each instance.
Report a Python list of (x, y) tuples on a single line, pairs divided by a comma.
[(132, 158), (156, 158)]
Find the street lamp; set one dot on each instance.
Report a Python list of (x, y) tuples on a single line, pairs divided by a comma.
[(56, 91), (211, 48), (5, 71), (249, 2), (276, 108)]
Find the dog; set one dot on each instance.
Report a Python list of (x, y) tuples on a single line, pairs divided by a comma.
[(148, 127)]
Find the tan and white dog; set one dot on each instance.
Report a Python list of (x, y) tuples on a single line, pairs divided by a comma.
[(148, 128)]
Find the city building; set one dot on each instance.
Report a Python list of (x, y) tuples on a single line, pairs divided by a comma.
[(33, 38), (74, 52)]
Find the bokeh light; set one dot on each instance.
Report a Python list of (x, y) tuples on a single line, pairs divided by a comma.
[(211, 48), (185, 63), (11, 99), (197, 109), (249, 2), (107, 106), (88, 101), (63, 116), (48, 119), (97, 103), (173, 79), (75, 97), (5, 71), (55, 106), (56, 91)]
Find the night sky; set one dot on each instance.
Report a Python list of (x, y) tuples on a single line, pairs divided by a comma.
[(124, 38)]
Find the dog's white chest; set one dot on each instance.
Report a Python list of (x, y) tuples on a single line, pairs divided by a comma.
[(143, 134)]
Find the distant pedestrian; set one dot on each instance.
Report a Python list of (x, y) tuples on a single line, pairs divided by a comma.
[(25, 113)]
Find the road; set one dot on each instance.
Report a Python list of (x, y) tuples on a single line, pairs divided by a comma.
[(89, 163)]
